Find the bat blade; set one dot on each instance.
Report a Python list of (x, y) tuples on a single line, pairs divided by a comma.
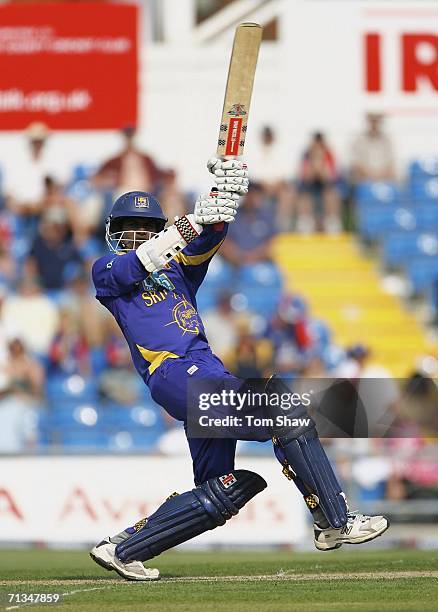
[(238, 91)]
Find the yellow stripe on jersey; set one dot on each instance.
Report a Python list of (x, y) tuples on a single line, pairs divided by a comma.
[(155, 358), (196, 260)]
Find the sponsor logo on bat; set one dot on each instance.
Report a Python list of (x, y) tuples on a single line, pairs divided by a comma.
[(238, 110), (233, 136)]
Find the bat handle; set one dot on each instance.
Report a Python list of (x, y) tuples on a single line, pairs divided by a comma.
[(218, 227)]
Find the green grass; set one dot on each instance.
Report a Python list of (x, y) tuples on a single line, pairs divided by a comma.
[(295, 581)]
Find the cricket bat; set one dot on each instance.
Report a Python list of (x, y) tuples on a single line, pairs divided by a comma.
[(238, 91)]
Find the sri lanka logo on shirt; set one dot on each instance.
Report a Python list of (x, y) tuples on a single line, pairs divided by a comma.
[(186, 317)]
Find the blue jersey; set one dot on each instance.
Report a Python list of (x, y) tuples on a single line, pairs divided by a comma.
[(157, 312)]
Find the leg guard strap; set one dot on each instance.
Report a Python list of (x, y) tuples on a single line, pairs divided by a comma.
[(185, 516)]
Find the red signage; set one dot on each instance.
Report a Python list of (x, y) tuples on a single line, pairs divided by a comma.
[(418, 59), (71, 66)]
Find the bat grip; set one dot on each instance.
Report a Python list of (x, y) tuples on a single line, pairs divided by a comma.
[(218, 227)]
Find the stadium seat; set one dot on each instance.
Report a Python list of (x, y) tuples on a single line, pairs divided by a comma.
[(44, 431), (425, 192), (74, 414), (261, 285), (422, 169), (376, 221), (378, 193), (131, 440), (219, 278), (422, 273), (81, 439), (400, 247), (60, 388), (426, 217), (73, 424), (137, 426), (320, 334), (142, 414)]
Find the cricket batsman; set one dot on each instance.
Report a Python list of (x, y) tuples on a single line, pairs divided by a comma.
[(149, 284)]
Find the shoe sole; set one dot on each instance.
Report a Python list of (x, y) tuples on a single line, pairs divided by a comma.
[(361, 541), (102, 563), (111, 568)]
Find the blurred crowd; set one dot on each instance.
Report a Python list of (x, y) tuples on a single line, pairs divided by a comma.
[(60, 351)]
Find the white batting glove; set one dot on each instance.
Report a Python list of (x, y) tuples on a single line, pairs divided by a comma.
[(210, 209), (230, 176), (156, 252)]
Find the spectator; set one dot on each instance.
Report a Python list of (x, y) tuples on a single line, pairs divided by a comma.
[(130, 170), (24, 181), (289, 335), (33, 313), (69, 352), (80, 303), (250, 357), (21, 385), (8, 263), (250, 236), (53, 249), (372, 158), (55, 202), (220, 325), (419, 403), (318, 203), (5, 328), (119, 382)]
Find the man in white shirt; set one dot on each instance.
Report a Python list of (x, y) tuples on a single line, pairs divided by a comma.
[(372, 153)]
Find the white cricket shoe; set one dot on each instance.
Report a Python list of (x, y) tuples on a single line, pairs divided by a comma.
[(104, 554), (359, 528)]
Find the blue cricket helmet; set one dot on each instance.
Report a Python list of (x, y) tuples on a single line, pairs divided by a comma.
[(132, 204), (137, 204)]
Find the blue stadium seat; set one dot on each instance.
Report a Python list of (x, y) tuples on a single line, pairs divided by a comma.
[(81, 439), (320, 333), (378, 193), (132, 441), (422, 273), (427, 217), (63, 387), (423, 168), (400, 247), (219, 278), (44, 431), (138, 428), (261, 285), (374, 222), (425, 192), (71, 413), (76, 425), (142, 414)]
